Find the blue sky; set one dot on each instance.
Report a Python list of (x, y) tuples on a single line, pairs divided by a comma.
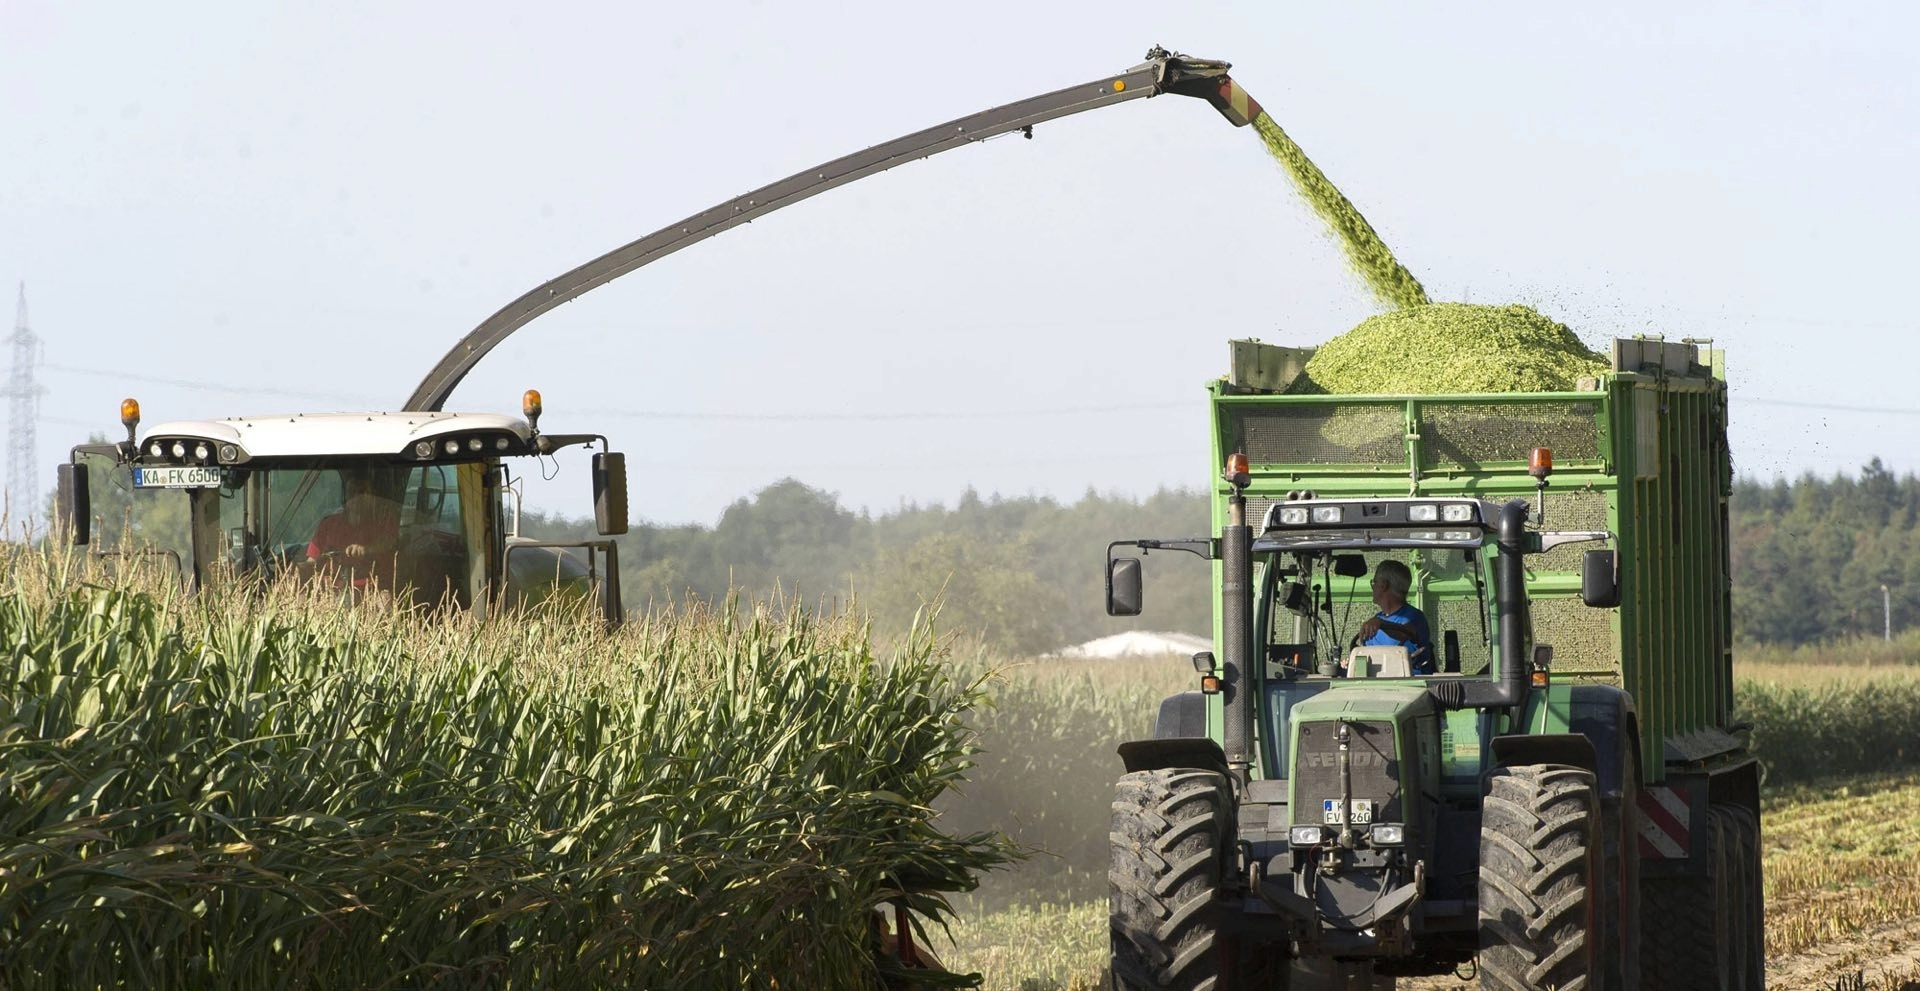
[(244, 208)]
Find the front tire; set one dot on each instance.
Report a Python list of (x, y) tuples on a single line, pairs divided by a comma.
[(1539, 877), (1170, 834)]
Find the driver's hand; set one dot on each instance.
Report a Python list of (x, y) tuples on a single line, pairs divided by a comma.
[(355, 550), (1369, 628)]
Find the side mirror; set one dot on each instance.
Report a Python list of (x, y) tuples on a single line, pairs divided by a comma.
[(1600, 579), (1123, 586), (73, 507), (610, 492)]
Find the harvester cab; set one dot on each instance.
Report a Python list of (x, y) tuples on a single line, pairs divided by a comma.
[(416, 505)]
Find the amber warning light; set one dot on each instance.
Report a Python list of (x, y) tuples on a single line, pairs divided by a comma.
[(1540, 463), (129, 412)]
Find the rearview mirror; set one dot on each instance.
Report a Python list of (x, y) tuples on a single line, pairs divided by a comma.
[(1600, 579), (1124, 586), (610, 492), (73, 507), (1350, 566)]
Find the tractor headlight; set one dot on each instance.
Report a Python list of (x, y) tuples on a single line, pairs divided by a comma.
[(1423, 512), (1306, 835), (1387, 834), (1293, 515), (1327, 514), (1458, 512)]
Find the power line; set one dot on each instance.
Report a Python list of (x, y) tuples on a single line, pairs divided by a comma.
[(1827, 406), (142, 378), (920, 415)]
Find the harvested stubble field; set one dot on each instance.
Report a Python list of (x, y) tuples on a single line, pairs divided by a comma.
[(254, 790), (1841, 830)]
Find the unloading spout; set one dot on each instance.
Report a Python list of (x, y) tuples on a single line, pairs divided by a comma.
[(1206, 79)]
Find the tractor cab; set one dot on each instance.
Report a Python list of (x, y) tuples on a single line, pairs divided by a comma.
[(419, 506)]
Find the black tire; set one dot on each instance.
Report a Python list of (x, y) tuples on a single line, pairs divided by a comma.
[(1170, 833), (1684, 942), (1539, 871), (1619, 939), (1748, 905)]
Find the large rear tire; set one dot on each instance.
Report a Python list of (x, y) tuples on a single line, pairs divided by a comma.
[(1170, 835), (1539, 880)]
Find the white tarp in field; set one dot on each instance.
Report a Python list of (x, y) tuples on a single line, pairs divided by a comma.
[(1135, 643)]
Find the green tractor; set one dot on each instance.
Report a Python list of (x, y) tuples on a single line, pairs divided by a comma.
[(1351, 795)]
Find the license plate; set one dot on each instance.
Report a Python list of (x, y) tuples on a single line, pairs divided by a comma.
[(199, 477), (1360, 811)]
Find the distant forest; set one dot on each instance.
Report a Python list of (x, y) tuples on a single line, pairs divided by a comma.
[(1809, 558), (1025, 574)]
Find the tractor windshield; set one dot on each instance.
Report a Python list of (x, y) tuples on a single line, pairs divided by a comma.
[(416, 530), (1314, 608)]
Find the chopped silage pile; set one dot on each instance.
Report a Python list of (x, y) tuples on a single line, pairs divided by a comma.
[(1453, 348)]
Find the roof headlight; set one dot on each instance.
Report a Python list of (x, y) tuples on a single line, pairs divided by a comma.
[(1293, 515), (423, 449), (1306, 835), (1387, 834), (154, 448), (1328, 514), (1423, 512), (1457, 512), (229, 453), (200, 452), (179, 449), (499, 443), (473, 444), (453, 447)]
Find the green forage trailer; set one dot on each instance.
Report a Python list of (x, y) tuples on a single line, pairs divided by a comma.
[(1549, 791)]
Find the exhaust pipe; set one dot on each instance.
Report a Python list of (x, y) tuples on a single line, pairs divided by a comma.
[(1510, 585)]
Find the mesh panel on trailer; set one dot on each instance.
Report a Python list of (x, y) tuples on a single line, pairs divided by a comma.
[(1257, 512), (1469, 435), (1582, 637), (1462, 616), (1572, 510), (1342, 434)]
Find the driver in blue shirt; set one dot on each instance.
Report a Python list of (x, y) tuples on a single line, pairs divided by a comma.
[(1398, 624)]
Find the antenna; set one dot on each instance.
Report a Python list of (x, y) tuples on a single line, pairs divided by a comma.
[(23, 413)]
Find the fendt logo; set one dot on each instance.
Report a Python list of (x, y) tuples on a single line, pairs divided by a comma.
[(1360, 758)]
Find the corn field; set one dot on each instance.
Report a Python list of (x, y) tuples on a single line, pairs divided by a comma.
[(271, 791)]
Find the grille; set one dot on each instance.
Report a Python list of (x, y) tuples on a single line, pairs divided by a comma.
[(1471, 435), (1376, 768)]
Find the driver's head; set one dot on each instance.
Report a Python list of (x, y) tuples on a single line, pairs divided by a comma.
[(357, 494), (1392, 579)]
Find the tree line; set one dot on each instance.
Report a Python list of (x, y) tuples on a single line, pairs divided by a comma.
[(1810, 557), (1814, 558)]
